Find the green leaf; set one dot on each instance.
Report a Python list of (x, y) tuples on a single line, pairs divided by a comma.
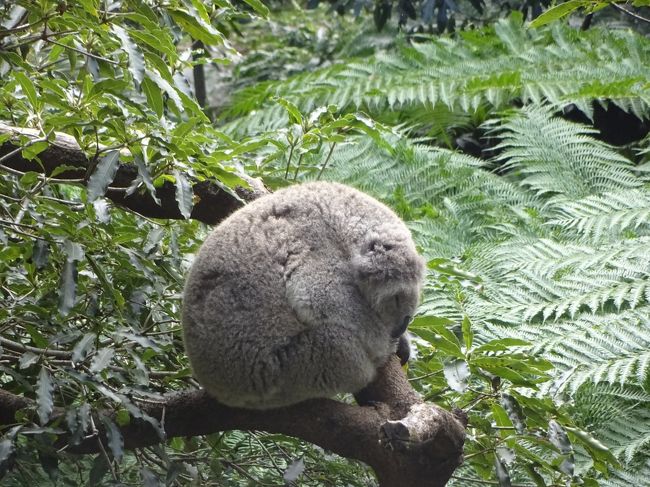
[(145, 175), (136, 58), (557, 12), (83, 347), (29, 89), (165, 86), (292, 110), (259, 7), (89, 6), (154, 96), (196, 27), (34, 149), (103, 175), (501, 344), (102, 359), (115, 439), (68, 287), (468, 335), (184, 194), (44, 396)]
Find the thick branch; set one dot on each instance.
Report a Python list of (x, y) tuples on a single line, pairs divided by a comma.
[(213, 203), (420, 450)]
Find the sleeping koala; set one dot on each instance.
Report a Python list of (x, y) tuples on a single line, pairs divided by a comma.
[(301, 294)]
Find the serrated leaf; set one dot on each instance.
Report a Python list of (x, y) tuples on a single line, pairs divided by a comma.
[(102, 359), (115, 440), (103, 175), (27, 359), (184, 194), (68, 287), (83, 347), (145, 175), (136, 58), (196, 27), (44, 400), (501, 344), (89, 6)]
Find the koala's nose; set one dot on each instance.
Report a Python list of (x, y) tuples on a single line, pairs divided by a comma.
[(399, 331)]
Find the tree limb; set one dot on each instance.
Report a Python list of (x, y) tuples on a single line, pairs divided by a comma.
[(213, 203), (422, 449)]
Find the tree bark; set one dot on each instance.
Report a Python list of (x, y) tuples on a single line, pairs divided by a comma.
[(212, 205)]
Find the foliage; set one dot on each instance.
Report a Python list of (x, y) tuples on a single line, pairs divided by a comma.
[(549, 257), (535, 312), (461, 78), (565, 9)]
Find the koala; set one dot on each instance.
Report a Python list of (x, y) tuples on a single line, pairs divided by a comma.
[(301, 294)]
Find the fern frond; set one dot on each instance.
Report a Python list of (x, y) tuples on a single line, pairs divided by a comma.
[(610, 213), (554, 156), (559, 65)]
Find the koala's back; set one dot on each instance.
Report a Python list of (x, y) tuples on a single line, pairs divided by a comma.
[(272, 311)]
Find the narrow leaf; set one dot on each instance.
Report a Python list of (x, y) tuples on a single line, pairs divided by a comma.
[(259, 7), (154, 96), (115, 440), (557, 12), (103, 175), (136, 58), (28, 89), (68, 287), (184, 194), (468, 335), (102, 359), (83, 347), (44, 396)]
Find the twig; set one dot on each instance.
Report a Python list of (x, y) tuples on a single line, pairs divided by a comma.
[(630, 13), (327, 159), (85, 53)]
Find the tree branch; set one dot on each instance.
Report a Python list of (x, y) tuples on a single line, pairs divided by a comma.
[(213, 203), (422, 449)]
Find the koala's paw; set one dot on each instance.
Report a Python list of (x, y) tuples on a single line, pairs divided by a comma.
[(403, 349)]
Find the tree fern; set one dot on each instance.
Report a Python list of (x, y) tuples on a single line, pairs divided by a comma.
[(487, 67), (555, 251)]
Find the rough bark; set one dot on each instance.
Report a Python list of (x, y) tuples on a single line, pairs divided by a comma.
[(212, 204), (421, 449)]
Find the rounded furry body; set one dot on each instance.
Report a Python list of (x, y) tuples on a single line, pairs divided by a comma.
[(303, 293)]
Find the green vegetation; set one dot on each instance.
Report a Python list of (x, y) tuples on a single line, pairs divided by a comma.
[(536, 313)]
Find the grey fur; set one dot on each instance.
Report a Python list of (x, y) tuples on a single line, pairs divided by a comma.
[(301, 294)]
